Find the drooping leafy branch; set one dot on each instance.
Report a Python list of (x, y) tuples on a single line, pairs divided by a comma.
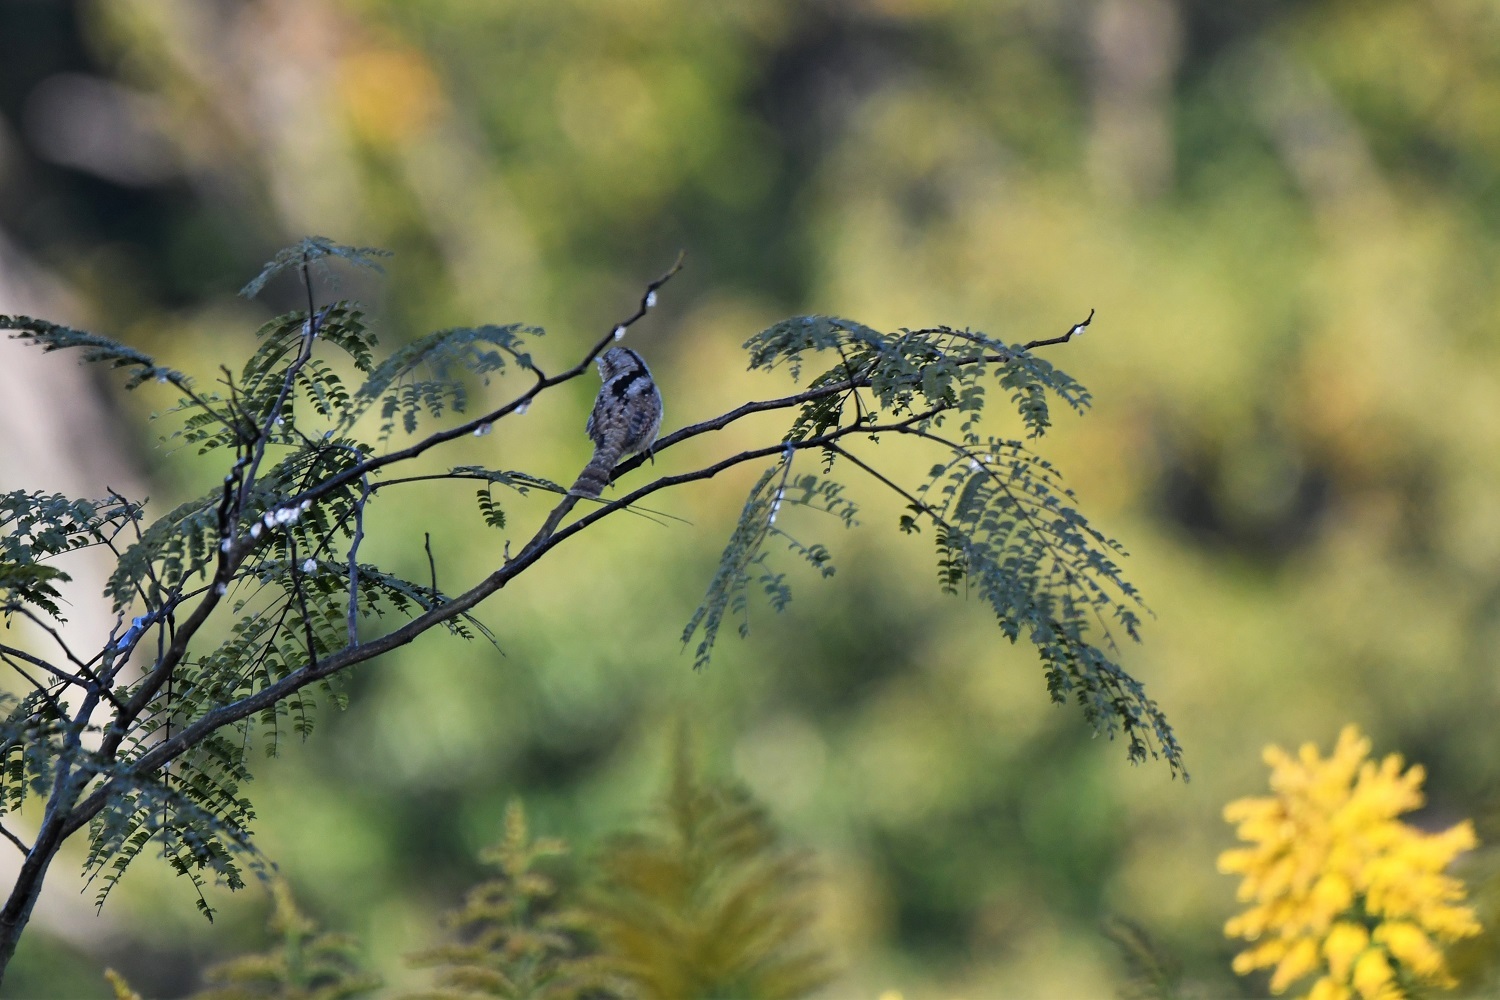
[(1006, 528), (149, 740)]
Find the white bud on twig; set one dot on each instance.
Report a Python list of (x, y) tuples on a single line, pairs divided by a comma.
[(620, 332), (482, 430), (651, 299)]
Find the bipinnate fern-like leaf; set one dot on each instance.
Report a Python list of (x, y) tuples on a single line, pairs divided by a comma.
[(93, 348), (298, 597), (304, 964), (1151, 973), (745, 559), (32, 736), (1006, 528), (514, 938), (258, 402), (37, 527), (310, 251), (428, 375), (195, 816), (711, 902)]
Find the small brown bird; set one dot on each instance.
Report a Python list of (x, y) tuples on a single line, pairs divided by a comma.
[(626, 417)]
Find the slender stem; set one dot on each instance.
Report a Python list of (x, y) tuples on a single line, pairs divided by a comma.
[(359, 536), (83, 668), (296, 573), (883, 479), (20, 844), (431, 563), (51, 699), (66, 787)]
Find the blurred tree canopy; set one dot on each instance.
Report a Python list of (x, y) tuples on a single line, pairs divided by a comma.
[(1286, 215)]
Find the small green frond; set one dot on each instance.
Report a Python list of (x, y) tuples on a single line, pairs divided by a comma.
[(911, 371), (1150, 972), (342, 324), (1011, 533), (492, 512), (176, 547), (281, 339), (195, 813), (306, 964), (1029, 379), (709, 902), (521, 482), (96, 349), (788, 341), (728, 590), (31, 743), (513, 937), (309, 251), (732, 575), (448, 356), (35, 527)]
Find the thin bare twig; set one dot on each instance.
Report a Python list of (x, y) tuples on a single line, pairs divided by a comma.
[(915, 502), (295, 569), (41, 623), (431, 563), (20, 844), (94, 683), (359, 536), (6, 653), (1075, 330)]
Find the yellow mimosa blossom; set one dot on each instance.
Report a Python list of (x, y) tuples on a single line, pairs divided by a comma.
[(1337, 885)]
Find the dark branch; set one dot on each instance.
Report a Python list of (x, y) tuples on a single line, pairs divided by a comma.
[(20, 844), (359, 535), (6, 653), (546, 538), (94, 685), (1074, 331), (431, 563), (295, 569), (883, 479)]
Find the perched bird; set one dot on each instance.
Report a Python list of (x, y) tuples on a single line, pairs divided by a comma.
[(626, 417)]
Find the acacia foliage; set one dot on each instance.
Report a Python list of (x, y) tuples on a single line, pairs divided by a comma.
[(1006, 528), (275, 541), (149, 738)]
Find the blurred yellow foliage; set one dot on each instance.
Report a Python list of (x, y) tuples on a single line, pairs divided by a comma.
[(1339, 886), (391, 94)]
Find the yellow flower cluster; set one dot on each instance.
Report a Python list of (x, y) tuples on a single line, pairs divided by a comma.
[(1338, 885)]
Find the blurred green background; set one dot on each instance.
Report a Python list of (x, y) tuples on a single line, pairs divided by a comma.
[(1285, 213)]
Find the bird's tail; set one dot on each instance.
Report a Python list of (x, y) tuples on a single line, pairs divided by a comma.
[(595, 476)]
